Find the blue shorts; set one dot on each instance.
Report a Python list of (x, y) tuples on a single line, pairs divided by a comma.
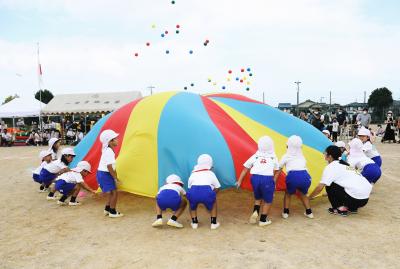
[(378, 160), (46, 177), (64, 187), (263, 187), (106, 181), (201, 195), (371, 172), (36, 178), (169, 199), (298, 180)]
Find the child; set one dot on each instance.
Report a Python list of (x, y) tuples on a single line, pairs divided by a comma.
[(203, 187), (54, 146), (369, 149), (335, 130), (347, 190), (297, 177), (55, 168), (45, 157), (170, 196), (106, 174), (342, 146), (327, 134), (263, 165), (70, 183), (357, 159)]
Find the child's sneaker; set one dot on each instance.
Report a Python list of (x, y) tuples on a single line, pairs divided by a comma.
[(51, 198), (106, 212), (332, 211), (116, 215), (310, 216), (194, 225), (264, 223), (215, 226), (61, 203), (342, 213), (253, 218), (174, 223), (285, 215), (157, 223), (43, 190), (74, 203)]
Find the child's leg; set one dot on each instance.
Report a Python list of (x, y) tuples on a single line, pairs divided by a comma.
[(158, 211), (265, 208), (286, 202), (306, 202), (113, 199), (179, 212), (75, 193), (52, 190)]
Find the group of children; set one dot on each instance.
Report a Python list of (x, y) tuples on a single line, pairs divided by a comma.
[(348, 179)]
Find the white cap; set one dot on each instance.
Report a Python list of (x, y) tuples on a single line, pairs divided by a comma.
[(44, 153), (364, 131), (52, 141), (326, 132), (173, 179), (83, 165), (106, 136), (356, 147), (340, 144), (266, 146), (68, 151), (204, 161)]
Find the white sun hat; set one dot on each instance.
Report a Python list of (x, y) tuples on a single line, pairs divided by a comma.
[(340, 144), (174, 179), (266, 146), (52, 141), (364, 131), (83, 165), (204, 161), (326, 132), (44, 153), (68, 151), (106, 136)]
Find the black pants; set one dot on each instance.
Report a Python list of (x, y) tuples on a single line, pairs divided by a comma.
[(338, 197), (334, 136)]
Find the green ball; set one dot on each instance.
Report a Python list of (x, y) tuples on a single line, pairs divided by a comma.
[(173, 2), (177, 31), (247, 89)]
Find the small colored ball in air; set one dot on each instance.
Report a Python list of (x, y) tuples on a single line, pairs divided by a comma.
[(247, 89), (241, 81), (248, 69), (192, 84), (223, 87), (136, 54), (148, 44), (205, 44), (242, 70), (185, 88), (177, 31), (250, 74), (228, 79), (230, 71), (237, 79), (191, 51), (215, 83), (153, 26), (178, 26), (162, 35), (207, 41), (166, 32), (167, 51), (173, 2)]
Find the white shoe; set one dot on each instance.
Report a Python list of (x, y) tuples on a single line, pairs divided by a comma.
[(310, 216), (194, 225), (61, 203), (105, 212), (264, 223), (44, 190), (116, 215), (174, 223), (285, 215), (51, 198), (215, 226), (74, 203), (157, 223), (253, 218)]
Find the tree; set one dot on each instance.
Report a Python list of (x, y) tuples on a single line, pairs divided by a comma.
[(46, 96), (380, 99), (10, 98)]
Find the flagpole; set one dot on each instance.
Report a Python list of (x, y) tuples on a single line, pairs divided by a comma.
[(40, 90)]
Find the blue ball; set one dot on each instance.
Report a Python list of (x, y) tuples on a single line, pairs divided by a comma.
[(192, 84), (223, 87), (248, 69), (162, 35), (167, 51), (237, 79), (191, 51)]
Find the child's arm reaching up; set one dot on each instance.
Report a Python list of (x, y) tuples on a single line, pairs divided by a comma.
[(241, 177)]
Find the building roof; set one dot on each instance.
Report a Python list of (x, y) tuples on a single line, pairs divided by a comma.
[(89, 102), (284, 105), (306, 104)]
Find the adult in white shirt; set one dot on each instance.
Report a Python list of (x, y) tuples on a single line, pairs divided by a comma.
[(347, 190), (203, 187)]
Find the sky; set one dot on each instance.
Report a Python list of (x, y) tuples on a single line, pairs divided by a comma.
[(343, 46)]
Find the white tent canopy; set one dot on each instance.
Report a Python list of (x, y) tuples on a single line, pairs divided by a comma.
[(21, 107), (89, 102)]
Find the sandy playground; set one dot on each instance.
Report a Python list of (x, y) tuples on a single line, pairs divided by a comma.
[(35, 233)]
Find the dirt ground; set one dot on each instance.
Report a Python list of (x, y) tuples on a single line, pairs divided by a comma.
[(35, 233)]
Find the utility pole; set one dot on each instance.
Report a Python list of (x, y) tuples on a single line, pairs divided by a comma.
[(298, 92), (263, 97), (151, 89), (365, 97), (40, 87), (330, 100)]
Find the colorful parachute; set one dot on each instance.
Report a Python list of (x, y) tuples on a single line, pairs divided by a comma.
[(165, 133)]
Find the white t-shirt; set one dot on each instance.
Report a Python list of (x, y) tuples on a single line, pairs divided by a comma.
[(55, 167), (174, 187), (353, 183), (53, 155), (335, 127), (359, 162), (39, 168), (370, 150), (107, 157), (260, 165), (204, 178), (293, 163), (71, 177)]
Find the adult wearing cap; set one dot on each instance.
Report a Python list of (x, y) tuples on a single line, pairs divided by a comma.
[(170, 197), (390, 128), (106, 173), (70, 183), (51, 170)]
